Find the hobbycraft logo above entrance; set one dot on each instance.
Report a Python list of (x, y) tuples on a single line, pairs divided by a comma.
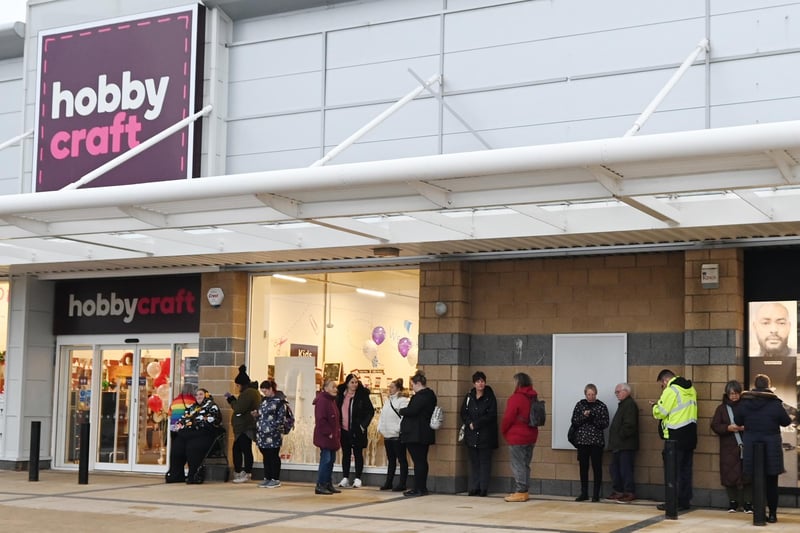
[(128, 308), (106, 88)]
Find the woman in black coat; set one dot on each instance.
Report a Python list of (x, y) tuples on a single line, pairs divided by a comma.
[(416, 432), (762, 414), (730, 454), (479, 416), (356, 411)]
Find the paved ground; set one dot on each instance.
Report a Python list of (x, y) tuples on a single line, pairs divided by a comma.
[(137, 503)]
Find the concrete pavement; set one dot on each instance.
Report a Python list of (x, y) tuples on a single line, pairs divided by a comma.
[(142, 503)]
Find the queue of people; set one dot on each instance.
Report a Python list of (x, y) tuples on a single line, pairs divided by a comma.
[(343, 412)]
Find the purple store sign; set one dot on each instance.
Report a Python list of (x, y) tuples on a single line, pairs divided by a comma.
[(106, 88)]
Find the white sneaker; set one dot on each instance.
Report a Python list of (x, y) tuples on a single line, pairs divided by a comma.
[(241, 477), (344, 482), (356, 483)]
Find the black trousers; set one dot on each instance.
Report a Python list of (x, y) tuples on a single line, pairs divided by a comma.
[(685, 460), (272, 462), (243, 451), (480, 468), (188, 446), (419, 454), (347, 449), (396, 453), (595, 455)]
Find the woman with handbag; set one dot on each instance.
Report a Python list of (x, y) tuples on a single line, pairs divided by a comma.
[(416, 432), (389, 427), (590, 415), (356, 412), (730, 449), (479, 430)]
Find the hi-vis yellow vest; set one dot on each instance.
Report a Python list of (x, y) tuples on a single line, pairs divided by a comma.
[(676, 408)]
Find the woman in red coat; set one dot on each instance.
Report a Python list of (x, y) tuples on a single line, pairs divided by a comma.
[(520, 436), (327, 435)]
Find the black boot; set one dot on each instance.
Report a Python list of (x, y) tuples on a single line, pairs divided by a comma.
[(387, 485), (400, 487), (331, 488), (584, 495), (322, 489), (596, 493)]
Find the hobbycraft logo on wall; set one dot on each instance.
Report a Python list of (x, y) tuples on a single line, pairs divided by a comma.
[(106, 88)]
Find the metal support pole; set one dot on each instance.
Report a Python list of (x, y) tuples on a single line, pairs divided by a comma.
[(15, 140), (671, 479), (83, 455), (33, 462), (759, 485), (369, 126), (702, 46), (133, 152)]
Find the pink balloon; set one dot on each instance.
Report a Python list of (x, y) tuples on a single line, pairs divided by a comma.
[(403, 346), (378, 334)]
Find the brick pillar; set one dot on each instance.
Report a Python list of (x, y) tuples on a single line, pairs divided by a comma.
[(444, 357), (223, 333), (714, 349)]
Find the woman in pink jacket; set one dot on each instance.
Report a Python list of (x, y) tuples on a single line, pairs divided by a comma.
[(520, 436)]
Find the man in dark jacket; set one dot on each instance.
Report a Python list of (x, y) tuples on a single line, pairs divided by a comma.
[(416, 432), (677, 411), (623, 441), (762, 414)]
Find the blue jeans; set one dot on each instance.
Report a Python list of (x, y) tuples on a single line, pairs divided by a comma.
[(325, 472)]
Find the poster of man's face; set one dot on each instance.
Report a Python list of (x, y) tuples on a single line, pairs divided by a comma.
[(773, 330)]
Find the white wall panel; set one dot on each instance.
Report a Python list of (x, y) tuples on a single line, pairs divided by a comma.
[(747, 32), (625, 49), (729, 6), (274, 95), (276, 58), (272, 160), (576, 100), (383, 42), (417, 118), (378, 81), (545, 19), (270, 134), (394, 149), (578, 130), (755, 112), (748, 80)]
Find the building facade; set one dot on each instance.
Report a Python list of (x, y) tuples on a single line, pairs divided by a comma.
[(586, 187)]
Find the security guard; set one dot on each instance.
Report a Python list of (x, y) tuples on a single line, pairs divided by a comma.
[(677, 412)]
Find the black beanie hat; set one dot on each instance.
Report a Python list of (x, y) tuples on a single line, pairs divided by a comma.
[(242, 378)]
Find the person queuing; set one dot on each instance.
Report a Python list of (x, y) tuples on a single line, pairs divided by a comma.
[(356, 414), (327, 436), (730, 449), (623, 440), (479, 416), (244, 425), (676, 410), (520, 436), (194, 434), (269, 432), (389, 427), (416, 432), (762, 414), (590, 416)]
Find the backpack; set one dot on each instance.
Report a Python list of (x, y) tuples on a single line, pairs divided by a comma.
[(537, 415), (288, 419), (437, 418)]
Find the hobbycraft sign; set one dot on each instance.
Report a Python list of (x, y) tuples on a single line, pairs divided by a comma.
[(106, 88)]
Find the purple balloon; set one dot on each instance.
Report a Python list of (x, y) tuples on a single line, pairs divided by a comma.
[(378, 334), (403, 346)]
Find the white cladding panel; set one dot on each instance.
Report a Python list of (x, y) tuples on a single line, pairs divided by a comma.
[(745, 32), (11, 103)]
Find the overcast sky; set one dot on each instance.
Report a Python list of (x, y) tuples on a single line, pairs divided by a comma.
[(12, 11)]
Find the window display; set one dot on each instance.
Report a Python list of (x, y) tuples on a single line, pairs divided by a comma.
[(327, 325)]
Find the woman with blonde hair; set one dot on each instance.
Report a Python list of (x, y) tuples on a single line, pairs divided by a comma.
[(389, 427)]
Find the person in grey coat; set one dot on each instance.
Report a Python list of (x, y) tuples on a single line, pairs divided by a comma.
[(623, 441)]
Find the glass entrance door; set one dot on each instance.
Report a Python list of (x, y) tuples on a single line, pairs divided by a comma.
[(134, 402), (124, 392)]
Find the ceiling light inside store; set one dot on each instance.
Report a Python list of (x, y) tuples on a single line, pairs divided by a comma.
[(370, 292), (289, 278)]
